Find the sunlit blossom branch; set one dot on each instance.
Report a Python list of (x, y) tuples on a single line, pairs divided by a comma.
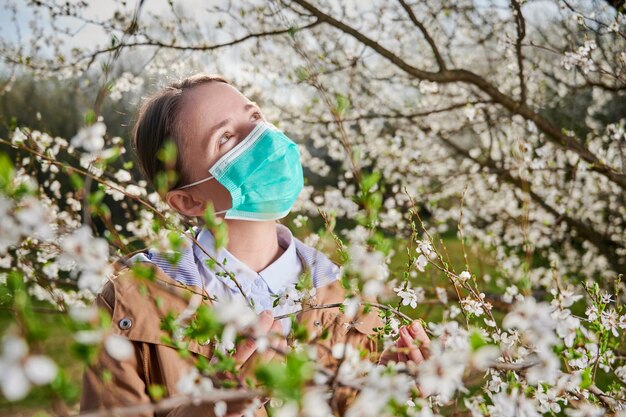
[(617, 4), (335, 305), (415, 213), (453, 277), (600, 240), (91, 57), (138, 199), (398, 115), (553, 132), (429, 39)]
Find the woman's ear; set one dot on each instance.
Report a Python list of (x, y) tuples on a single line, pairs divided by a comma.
[(185, 203)]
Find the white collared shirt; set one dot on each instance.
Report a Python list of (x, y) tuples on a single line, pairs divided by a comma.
[(277, 277)]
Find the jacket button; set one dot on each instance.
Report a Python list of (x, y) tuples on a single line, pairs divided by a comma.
[(125, 323)]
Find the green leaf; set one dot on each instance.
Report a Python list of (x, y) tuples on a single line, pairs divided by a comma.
[(205, 325), (113, 153), (210, 263), (161, 182), (15, 281), (302, 74), (63, 386), (143, 271), (167, 153), (343, 103), (286, 379), (586, 379), (90, 117), (299, 331), (476, 340), (96, 197), (369, 180), (156, 391), (221, 235), (77, 181), (6, 172)]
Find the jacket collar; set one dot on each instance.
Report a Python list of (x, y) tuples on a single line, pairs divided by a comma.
[(276, 275), (323, 270)]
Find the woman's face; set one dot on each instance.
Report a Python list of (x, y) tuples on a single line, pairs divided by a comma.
[(213, 118)]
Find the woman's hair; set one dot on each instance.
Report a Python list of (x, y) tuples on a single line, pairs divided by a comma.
[(157, 122)]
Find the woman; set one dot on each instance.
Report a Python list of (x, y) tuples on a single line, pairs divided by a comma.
[(254, 177)]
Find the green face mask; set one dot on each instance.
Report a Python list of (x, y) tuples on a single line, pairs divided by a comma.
[(262, 173)]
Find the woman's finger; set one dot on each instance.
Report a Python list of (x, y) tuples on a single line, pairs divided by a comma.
[(282, 344), (246, 371), (414, 353), (389, 354), (418, 333), (276, 337), (274, 341), (276, 330), (246, 348), (402, 348)]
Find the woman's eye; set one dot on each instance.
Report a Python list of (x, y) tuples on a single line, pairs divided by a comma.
[(225, 137), (257, 115)]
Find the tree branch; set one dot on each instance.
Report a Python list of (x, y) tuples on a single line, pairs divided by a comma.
[(429, 39), (604, 244), (554, 133), (520, 24)]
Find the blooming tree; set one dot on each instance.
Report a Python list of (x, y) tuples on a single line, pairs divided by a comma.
[(500, 123)]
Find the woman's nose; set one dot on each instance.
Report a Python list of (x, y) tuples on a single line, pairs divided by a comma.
[(245, 128)]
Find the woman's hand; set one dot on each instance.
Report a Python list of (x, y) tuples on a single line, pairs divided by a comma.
[(248, 355), (412, 345)]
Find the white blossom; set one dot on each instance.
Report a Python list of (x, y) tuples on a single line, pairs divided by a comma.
[(514, 404), (18, 371), (609, 320), (421, 263), (410, 296), (442, 373), (118, 347), (122, 175), (40, 369), (566, 326), (352, 305), (289, 297), (370, 265), (220, 408), (236, 315), (193, 383), (315, 403), (442, 295), (90, 138)]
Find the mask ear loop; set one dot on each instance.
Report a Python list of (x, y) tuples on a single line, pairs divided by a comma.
[(200, 182), (197, 182)]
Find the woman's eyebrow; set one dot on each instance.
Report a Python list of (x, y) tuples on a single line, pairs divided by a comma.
[(251, 104), (214, 129), (225, 122)]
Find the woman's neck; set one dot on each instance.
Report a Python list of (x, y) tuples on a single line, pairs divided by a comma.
[(254, 243)]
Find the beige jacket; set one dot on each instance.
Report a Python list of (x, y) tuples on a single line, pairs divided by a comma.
[(136, 307)]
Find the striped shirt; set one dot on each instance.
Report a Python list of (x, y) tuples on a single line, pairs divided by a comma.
[(276, 278)]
